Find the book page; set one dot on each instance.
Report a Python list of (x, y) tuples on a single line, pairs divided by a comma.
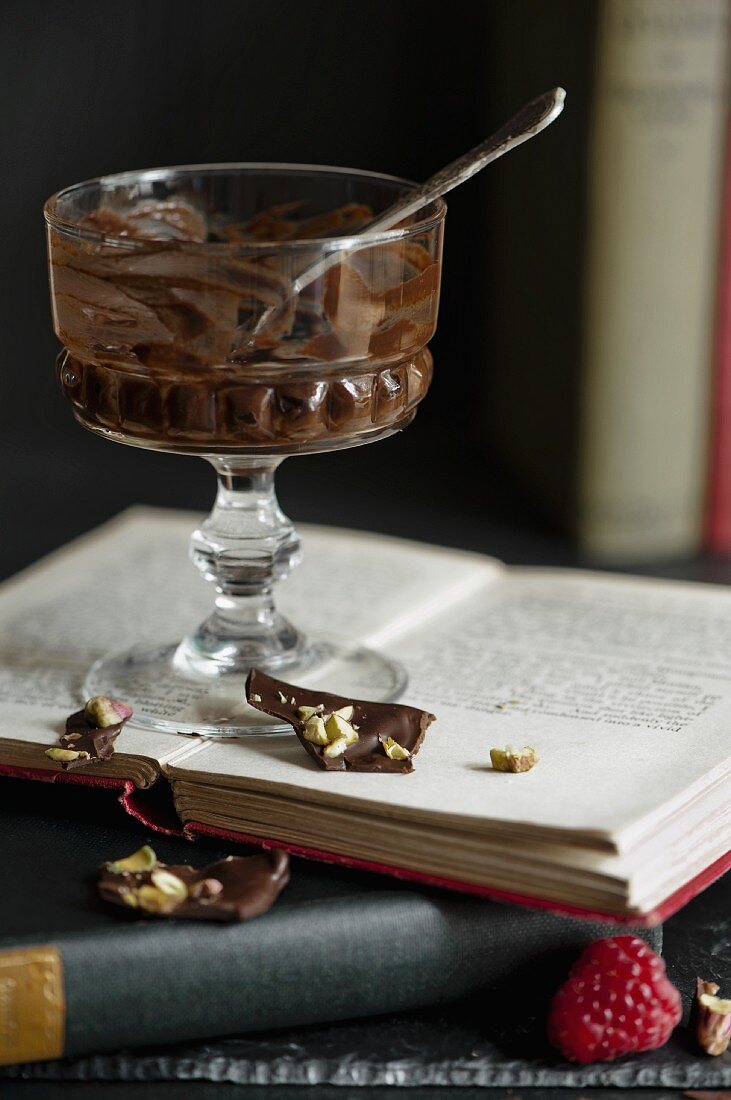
[(131, 582), (623, 686)]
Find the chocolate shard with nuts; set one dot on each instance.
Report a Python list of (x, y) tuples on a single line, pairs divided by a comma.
[(90, 733), (237, 888), (340, 733)]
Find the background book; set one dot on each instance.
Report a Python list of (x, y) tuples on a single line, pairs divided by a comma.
[(603, 285), (718, 516)]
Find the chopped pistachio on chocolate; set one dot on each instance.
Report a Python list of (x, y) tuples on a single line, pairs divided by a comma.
[(712, 1018), (103, 712), (144, 859), (314, 731), (90, 733), (513, 760), (343, 734), (67, 756), (233, 889), (395, 751)]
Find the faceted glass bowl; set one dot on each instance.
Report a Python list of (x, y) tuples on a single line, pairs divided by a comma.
[(241, 313)]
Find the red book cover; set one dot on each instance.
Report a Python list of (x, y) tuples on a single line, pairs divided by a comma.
[(718, 517), (154, 808)]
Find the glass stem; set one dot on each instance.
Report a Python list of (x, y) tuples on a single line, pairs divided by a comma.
[(244, 547)]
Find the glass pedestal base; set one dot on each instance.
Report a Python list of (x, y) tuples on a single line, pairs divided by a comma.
[(168, 694)]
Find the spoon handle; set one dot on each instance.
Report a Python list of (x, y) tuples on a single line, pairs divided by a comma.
[(529, 121)]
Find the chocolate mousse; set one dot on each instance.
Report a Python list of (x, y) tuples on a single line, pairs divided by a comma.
[(157, 307)]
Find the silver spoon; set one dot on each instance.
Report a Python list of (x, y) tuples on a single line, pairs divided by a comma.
[(529, 121)]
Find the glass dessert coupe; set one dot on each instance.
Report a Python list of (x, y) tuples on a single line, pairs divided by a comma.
[(242, 313)]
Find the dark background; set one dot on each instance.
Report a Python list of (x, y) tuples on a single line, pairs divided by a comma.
[(97, 87), (400, 86)]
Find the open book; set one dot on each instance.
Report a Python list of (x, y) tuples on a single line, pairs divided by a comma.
[(622, 685)]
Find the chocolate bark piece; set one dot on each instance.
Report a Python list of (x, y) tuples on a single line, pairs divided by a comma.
[(233, 889), (374, 723), (83, 736)]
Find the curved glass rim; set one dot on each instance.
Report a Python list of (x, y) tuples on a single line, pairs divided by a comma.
[(424, 224)]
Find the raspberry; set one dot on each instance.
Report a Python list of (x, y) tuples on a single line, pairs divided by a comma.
[(617, 1000)]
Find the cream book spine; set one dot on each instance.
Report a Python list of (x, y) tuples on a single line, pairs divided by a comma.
[(655, 168)]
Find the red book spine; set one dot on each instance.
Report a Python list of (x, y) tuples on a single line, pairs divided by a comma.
[(718, 514)]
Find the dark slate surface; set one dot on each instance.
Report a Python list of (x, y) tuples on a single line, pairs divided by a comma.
[(94, 1090)]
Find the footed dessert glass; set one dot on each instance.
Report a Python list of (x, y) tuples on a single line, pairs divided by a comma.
[(237, 312)]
